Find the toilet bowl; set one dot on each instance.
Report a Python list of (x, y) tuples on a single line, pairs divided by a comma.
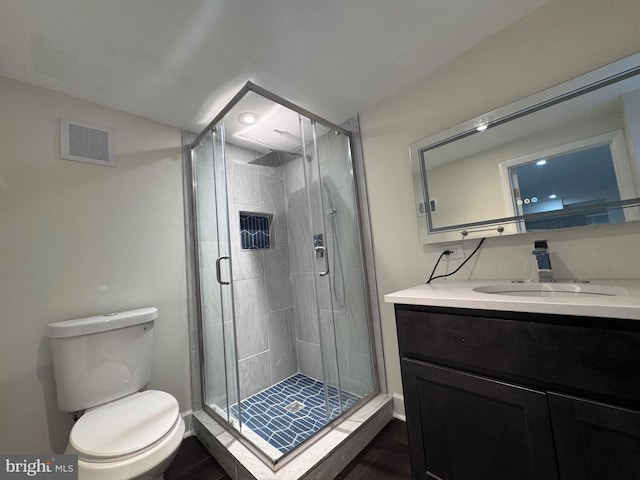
[(102, 365), (134, 437)]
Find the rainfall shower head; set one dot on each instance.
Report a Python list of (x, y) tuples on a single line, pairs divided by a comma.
[(274, 158)]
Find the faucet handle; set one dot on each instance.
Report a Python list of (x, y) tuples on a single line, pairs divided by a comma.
[(540, 244)]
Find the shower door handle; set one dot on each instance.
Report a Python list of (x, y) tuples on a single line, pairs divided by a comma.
[(322, 251), (218, 273)]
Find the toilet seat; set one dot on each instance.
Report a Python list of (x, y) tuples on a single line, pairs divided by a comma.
[(124, 428)]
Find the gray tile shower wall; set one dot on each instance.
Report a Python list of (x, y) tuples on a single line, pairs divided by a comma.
[(349, 300), (274, 288), (299, 232), (307, 340), (263, 297), (251, 317), (277, 271), (343, 315), (305, 308), (282, 346), (254, 374)]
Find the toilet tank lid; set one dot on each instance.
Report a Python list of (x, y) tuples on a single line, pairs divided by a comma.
[(101, 323)]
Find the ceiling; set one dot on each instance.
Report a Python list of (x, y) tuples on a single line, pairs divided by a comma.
[(180, 61)]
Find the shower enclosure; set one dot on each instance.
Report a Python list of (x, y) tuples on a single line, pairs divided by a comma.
[(281, 283)]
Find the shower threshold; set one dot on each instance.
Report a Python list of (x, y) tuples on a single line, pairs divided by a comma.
[(287, 413), (323, 456)]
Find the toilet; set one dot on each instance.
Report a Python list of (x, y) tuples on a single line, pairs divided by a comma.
[(101, 366)]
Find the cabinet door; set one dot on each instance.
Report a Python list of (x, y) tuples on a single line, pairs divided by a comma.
[(595, 440), (466, 427)]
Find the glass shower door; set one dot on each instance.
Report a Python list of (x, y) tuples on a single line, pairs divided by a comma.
[(285, 343), (345, 328), (342, 313), (320, 313), (216, 297)]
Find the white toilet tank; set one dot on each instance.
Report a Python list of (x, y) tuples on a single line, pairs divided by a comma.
[(100, 359)]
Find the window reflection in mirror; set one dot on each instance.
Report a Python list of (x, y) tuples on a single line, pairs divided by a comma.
[(588, 132), (567, 183)]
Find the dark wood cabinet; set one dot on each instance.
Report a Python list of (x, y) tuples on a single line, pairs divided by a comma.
[(503, 395), (476, 427), (595, 440)]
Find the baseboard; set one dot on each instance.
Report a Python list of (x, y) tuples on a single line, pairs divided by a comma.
[(187, 416), (398, 407)]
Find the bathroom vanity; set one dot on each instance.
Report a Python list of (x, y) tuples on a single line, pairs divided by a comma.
[(521, 381)]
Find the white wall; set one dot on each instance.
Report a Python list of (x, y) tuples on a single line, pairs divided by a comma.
[(78, 239), (555, 43)]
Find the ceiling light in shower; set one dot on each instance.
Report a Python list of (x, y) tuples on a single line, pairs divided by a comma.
[(248, 118)]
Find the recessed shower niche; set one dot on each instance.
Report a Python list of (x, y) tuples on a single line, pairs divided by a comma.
[(285, 327), (255, 230)]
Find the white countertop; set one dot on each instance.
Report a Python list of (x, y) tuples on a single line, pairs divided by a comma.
[(462, 295)]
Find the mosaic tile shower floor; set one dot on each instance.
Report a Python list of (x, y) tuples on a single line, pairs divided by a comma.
[(265, 413)]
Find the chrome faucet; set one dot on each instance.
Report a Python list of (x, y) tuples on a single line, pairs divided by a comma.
[(541, 251)]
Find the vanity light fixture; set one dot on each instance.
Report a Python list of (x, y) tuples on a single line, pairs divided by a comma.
[(482, 128), (541, 162), (248, 118)]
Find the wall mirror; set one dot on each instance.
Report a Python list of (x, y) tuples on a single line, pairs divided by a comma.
[(565, 157)]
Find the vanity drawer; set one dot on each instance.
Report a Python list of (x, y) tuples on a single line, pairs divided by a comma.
[(545, 351)]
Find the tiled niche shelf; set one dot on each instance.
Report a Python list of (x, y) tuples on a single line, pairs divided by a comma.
[(255, 230)]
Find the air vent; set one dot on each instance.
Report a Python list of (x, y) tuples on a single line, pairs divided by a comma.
[(83, 143)]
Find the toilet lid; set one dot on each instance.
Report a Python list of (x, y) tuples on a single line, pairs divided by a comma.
[(124, 426)]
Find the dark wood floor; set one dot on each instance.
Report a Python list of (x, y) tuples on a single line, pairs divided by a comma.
[(385, 458), (194, 462)]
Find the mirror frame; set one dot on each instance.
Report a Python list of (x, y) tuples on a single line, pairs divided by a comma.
[(610, 74)]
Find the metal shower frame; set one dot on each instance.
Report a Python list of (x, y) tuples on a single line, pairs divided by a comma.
[(211, 126)]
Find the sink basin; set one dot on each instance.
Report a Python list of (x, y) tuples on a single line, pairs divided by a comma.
[(562, 290)]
